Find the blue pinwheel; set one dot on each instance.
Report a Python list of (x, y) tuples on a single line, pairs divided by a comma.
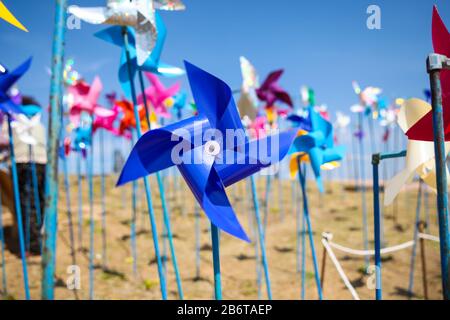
[(207, 165), (179, 102), (316, 146), (7, 80), (153, 64)]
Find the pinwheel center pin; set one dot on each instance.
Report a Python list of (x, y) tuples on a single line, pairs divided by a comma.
[(212, 148)]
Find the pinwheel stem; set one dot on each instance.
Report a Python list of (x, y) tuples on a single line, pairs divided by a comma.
[(302, 179), (162, 195), (134, 187), (416, 236), (34, 179), (2, 240), (421, 227), (18, 210), (162, 279), (266, 202), (51, 174), (80, 203), (197, 241), (89, 173), (103, 201), (434, 66), (261, 237), (216, 262)]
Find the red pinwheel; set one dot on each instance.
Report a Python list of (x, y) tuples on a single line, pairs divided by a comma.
[(207, 166), (423, 129), (157, 94), (271, 92)]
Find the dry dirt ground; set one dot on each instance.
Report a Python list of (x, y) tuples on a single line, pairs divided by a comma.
[(337, 211)]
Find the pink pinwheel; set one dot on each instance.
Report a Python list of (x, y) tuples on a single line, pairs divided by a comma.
[(157, 94), (107, 121), (84, 99), (258, 128), (271, 92)]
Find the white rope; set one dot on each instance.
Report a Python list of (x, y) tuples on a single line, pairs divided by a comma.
[(340, 270), (372, 252), (428, 237)]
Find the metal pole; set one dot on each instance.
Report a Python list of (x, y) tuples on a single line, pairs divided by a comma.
[(363, 192), (54, 129), (415, 237), (216, 262), (89, 173), (434, 65), (377, 230), (103, 195), (162, 280), (80, 203)]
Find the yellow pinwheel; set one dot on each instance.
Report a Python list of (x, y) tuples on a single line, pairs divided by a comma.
[(6, 15)]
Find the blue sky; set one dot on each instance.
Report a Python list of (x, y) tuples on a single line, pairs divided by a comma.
[(324, 44)]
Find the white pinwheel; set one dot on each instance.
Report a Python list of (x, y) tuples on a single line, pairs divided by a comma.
[(138, 14), (24, 127), (342, 121), (248, 101), (420, 154)]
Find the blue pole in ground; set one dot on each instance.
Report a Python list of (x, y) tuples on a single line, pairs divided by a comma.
[(162, 280), (69, 211), (89, 167), (18, 210), (303, 275), (261, 237), (435, 64), (363, 192), (134, 192), (2, 239), (197, 240), (37, 200), (377, 225), (266, 202), (167, 228), (216, 262), (51, 173), (302, 178), (80, 202), (103, 200), (416, 237)]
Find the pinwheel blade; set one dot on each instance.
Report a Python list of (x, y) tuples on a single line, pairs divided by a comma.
[(7, 80), (254, 156), (209, 191), (214, 99), (94, 15), (6, 15)]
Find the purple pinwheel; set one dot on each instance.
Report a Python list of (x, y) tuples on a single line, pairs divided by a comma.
[(207, 165), (271, 92)]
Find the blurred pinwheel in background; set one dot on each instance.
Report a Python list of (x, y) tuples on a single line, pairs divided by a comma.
[(152, 64), (248, 101), (271, 92), (316, 147)]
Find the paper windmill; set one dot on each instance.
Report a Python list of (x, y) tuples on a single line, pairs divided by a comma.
[(106, 122), (84, 99), (25, 128), (6, 15), (248, 101), (368, 99), (342, 121), (208, 168), (157, 94), (7, 80), (308, 96), (420, 154), (317, 147), (138, 14), (423, 129), (271, 92), (128, 121), (179, 104), (152, 64)]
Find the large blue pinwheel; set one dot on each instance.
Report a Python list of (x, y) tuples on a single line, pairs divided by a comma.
[(207, 166), (153, 64), (317, 144), (7, 80)]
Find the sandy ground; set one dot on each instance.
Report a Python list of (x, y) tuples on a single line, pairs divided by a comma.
[(337, 211)]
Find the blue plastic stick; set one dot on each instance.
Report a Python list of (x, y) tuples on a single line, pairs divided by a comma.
[(37, 200), (299, 231), (167, 228), (197, 240), (89, 167), (416, 237), (2, 240), (162, 280), (261, 237), (103, 200), (266, 202), (216, 262), (303, 291), (18, 210), (302, 178), (377, 228), (69, 211), (134, 192), (363, 192), (80, 203)]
